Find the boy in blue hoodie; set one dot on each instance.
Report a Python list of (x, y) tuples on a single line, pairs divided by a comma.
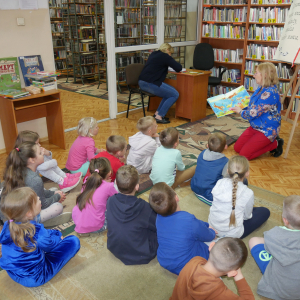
[(212, 165), (180, 235), (131, 230)]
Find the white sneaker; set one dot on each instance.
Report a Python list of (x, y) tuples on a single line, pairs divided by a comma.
[(58, 220)]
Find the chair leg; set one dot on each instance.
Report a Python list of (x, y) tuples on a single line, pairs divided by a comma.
[(143, 104), (128, 104), (148, 103)]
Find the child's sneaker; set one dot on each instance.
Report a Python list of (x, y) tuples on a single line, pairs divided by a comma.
[(75, 175), (69, 183)]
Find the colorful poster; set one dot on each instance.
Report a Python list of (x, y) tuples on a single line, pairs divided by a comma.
[(9, 74), (221, 104), (30, 64)]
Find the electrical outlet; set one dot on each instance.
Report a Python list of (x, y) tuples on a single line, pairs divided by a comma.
[(20, 21)]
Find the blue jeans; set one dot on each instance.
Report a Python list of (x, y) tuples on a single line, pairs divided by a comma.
[(168, 93)]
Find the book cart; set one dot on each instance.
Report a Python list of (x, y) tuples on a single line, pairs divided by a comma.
[(252, 30)]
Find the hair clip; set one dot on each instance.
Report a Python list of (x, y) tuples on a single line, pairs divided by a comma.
[(236, 173), (11, 220), (96, 170), (233, 207), (18, 149)]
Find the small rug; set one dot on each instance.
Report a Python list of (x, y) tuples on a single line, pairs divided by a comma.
[(193, 139), (91, 89)]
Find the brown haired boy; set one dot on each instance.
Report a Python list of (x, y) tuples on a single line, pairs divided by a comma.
[(115, 153), (200, 278), (278, 255), (143, 145), (167, 158), (131, 230), (211, 166)]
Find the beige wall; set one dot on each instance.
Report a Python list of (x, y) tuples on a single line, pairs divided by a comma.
[(33, 38)]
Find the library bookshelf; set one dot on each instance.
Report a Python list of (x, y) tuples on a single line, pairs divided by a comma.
[(254, 27)]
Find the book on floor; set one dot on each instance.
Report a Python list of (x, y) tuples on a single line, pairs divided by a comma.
[(9, 74), (29, 65), (221, 104)]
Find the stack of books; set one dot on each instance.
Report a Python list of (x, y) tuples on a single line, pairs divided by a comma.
[(44, 80), (14, 94)]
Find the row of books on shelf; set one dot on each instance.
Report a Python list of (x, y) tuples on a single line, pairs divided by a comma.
[(271, 1), (128, 3), (60, 65), (57, 27), (227, 55), (57, 3), (173, 31), (86, 9), (60, 54), (232, 75), (123, 61), (128, 31), (87, 33), (88, 59), (58, 42), (262, 52), (218, 90), (234, 2), (150, 30), (86, 20), (128, 16), (225, 15), (223, 31), (87, 47), (57, 13), (265, 33), (150, 11), (268, 15), (173, 11)]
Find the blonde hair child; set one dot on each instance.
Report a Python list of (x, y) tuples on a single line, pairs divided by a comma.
[(83, 148), (49, 167), (232, 213), (31, 254)]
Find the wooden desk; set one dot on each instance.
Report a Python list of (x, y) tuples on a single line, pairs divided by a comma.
[(192, 89), (47, 104)]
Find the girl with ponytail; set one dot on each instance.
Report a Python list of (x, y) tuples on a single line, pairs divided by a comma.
[(31, 254), (232, 213), (89, 214)]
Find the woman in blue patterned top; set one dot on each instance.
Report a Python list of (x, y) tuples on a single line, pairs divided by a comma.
[(264, 116)]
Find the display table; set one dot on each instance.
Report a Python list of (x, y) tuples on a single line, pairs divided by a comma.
[(192, 88), (46, 104)]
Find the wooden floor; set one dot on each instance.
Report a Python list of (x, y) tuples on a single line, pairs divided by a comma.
[(274, 174)]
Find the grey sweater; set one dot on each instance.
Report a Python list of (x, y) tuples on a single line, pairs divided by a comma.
[(281, 278), (34, 181)]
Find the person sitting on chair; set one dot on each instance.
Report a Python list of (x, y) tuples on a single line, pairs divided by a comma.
[(152, 77)]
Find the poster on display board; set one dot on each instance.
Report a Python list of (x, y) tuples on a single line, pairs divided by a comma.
[(23, 4)]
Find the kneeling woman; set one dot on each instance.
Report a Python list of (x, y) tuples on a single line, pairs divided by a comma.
[(264, 116), (152, 77)]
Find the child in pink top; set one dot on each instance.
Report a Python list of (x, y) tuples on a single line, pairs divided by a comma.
[(83, 149), (89, 214)]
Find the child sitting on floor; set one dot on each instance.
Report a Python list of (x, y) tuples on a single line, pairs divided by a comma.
[(115, 153), (212, 165), (49, 168), (31, 255), (278, 255), (232, 213), (167, 158), (180, 235), (90, 210), (83, 148), (143, 145), (131, 230), (200, 279), (21, 165)]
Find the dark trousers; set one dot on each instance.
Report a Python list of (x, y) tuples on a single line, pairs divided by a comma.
[(259, 216)]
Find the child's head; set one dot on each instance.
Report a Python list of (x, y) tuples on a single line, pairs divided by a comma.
[(169, 137), (228, 254), (18, 159), (87, 127), (147, 125), (163, 199), (291, 212), (100, 169), (127, 179), (217, 142), (27, 136), (116, 145), (21, 205), (238, 169)]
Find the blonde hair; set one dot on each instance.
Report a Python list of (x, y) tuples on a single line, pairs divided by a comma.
[(217, 142), (268, 73), (15, 206), (168, 137), (84, 126), (145, 123), (291, 210), (166, 47), (115, 143), (238, 166)]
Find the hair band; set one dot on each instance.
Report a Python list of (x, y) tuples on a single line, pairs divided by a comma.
[(96, 170), (18, 149), (236, 173), (11, 220), (233, 207)]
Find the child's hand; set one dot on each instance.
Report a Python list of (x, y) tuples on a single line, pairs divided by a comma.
[(155, 135), (236, 109), (45, 151), (213, 229), (122, 159), (62, 196), (99, 150), (239, 275)]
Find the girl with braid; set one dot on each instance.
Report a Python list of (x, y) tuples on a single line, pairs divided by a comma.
[(232, 213)]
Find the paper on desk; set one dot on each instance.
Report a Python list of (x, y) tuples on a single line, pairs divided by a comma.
[(172, 70), (28, 4)]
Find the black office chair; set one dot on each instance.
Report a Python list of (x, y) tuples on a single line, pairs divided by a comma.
[(132, 73), (204, 60)]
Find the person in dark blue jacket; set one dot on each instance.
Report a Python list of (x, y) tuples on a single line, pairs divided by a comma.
[(131, 230), (152, 77), (212, 165), (180, 235)]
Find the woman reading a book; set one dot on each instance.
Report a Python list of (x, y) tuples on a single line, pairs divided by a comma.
[(152, 77), (264, 116)]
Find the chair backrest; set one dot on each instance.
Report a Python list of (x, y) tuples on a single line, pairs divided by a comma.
[(132, 73), (203, 57)]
